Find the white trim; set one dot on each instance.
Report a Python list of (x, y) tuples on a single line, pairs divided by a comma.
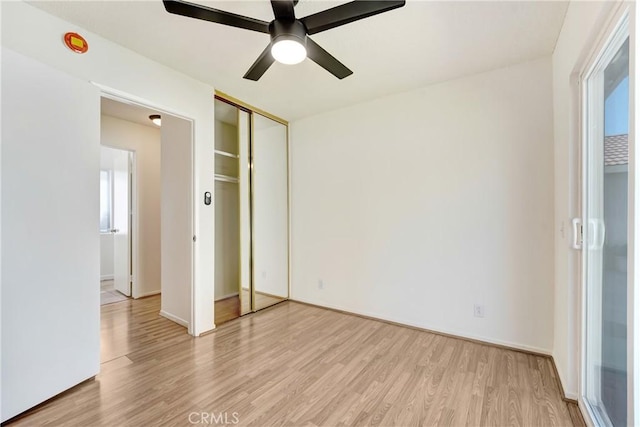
[(135, 222), (127, 98), (572, 396), (563, 389), (426, 327), (175, 319), (147, 294), (220, 298), (289, 214), (106, 277), (607, 26), (585, 412), (633, 260), (191, 327)]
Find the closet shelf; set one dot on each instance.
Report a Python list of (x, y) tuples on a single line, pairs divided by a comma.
[(226, 178), (226, 154)]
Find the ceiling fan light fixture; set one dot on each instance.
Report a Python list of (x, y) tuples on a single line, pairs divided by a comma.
[(288, 50), (290, 43), (156, 119)]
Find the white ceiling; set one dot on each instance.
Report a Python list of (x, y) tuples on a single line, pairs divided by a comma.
[(422, 43), (130, 112)]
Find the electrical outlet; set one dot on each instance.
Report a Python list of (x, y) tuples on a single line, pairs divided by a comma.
[(320, 284), (478, 310)]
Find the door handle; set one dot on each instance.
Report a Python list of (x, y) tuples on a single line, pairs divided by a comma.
[(114, 230), (577, 233)]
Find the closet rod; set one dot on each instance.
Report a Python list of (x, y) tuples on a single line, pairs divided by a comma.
[(226, 178)]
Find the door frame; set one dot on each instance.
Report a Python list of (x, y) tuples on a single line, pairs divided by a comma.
[(622, 14), (127, 98)]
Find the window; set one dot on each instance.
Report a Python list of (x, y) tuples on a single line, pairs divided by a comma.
[(106, 208)]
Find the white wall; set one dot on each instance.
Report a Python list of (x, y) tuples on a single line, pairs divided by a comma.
[(582, 24), (416, 206), (34, 33), (145, 142)]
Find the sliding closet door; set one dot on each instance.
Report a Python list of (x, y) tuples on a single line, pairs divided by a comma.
[(244, 123), (270, 253)]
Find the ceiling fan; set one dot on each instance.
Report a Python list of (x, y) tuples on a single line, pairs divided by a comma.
[(290, 42)]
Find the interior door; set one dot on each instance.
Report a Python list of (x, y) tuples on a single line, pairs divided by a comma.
[(122, 221), (50, 241)]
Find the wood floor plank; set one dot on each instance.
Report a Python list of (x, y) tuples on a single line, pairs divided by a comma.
[(298, 365)]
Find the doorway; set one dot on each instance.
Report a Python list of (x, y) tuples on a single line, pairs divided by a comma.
[(116, 221), (131, 167), (159, 224)]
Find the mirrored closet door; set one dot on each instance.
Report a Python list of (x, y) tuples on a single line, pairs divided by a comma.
[(270, 212), (251, 210)]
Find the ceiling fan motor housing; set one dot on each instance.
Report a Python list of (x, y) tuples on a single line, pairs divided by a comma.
[(288, 30)]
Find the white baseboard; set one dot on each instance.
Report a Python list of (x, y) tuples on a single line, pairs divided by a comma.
[(173, 318), (453, 333), (106, 277), (235, 294), (147, 294), (572, 396)]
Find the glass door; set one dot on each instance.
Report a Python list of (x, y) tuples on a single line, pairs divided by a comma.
[(605, 233)]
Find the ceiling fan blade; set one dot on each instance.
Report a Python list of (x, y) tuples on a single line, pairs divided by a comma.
[(179, 7), (283, 9), (346, 13), (261, 65), (326, 61)]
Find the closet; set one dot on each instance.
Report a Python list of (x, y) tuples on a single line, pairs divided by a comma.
[(251, 209)]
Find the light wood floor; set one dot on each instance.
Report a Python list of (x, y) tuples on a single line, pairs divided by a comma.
[(229, 308), (226, 309), (298, 365)]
